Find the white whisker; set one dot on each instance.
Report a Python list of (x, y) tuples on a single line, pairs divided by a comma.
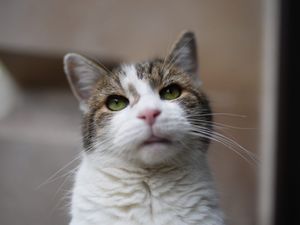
[(53, 176), (226, 142), (219, 114), (221, 125)]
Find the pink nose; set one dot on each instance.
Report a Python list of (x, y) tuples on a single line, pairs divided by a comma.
[(149, 115)]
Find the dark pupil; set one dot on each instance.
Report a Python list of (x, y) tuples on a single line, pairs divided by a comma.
[(170, 90), (116, 101)]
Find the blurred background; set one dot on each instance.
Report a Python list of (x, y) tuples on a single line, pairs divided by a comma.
[(39, 117)]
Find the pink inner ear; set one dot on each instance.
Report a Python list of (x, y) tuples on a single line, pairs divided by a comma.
[(184, 54), (82, 74)]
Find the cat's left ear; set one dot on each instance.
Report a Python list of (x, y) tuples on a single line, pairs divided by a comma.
[(82, 74), (184, 55)]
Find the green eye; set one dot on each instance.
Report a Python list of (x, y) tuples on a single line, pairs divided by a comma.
[(170, 92), (116, 102)]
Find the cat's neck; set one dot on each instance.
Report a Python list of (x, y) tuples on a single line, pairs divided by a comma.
[(198, 166), (185, 174), (162, 194)]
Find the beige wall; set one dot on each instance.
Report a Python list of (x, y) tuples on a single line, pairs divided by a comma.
[(228, 34), (229, 39)]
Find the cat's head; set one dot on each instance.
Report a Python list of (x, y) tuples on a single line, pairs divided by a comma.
[(146, 113)]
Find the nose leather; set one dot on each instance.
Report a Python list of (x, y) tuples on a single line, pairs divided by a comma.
[(149, 115)]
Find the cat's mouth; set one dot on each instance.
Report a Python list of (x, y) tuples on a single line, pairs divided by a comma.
[(156, 140)]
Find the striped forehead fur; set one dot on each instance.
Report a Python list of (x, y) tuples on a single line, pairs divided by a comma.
[(134, 80), (154, 72)]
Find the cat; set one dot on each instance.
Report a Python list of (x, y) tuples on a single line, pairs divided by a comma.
[(146, 131)]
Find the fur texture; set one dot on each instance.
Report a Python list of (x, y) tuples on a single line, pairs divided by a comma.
[(135, 172)]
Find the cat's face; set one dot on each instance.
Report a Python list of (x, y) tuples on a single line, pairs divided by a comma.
[(141, 113)]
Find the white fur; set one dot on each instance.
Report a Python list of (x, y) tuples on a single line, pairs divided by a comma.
[(131, 78), (113, 185), (132, 196)]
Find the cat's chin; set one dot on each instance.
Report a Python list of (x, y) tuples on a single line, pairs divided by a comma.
[(156, 152)]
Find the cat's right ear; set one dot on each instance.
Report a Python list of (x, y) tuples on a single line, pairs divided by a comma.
[(82, 74)]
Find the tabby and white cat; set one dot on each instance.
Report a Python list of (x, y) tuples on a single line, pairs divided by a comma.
[(146, 130)]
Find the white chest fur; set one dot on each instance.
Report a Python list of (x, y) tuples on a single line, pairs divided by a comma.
[(163, 196)]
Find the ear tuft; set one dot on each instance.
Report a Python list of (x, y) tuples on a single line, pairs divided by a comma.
[(82, 74), (184, 54)]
